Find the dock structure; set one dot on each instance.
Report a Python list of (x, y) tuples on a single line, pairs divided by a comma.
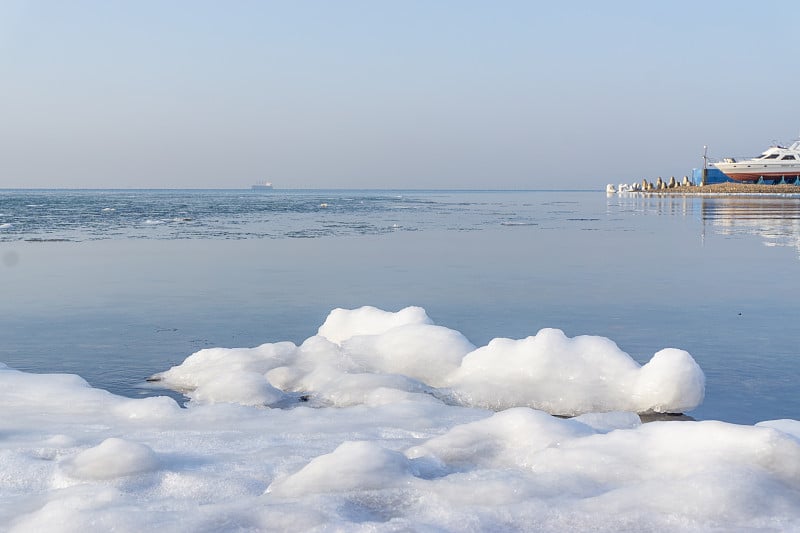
[(733, 187), (647, 186), (709, 180)]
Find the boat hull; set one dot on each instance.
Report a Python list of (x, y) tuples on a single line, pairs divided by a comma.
[(749, 174)]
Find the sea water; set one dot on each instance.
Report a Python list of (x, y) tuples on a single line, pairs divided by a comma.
[(378, 360), (117, 285)]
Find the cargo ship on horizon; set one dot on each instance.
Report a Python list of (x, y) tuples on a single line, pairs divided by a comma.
[(266, 186)]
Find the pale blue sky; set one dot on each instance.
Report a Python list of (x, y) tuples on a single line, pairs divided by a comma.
[(405, 94)]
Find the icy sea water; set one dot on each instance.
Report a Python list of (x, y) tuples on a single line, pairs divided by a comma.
[(118, 285)]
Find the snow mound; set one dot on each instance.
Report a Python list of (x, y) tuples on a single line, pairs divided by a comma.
[(114, 457), (358, 351)]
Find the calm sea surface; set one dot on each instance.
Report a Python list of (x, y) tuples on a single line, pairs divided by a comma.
[(118, 285)]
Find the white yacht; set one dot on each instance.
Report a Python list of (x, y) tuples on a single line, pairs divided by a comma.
[(775, 164)]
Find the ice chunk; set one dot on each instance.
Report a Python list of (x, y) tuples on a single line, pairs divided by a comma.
[(504, 439), (244, 388), (570, 376), (671, 382), (425, 352), (357, 351), (114, 457), (342, 324), (353, 465)]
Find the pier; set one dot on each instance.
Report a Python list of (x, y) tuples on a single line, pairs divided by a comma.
[(716, 188)]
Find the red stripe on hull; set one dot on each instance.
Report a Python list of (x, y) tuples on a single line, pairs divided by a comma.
[(754, 176)]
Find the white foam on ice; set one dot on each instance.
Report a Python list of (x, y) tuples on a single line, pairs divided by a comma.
[(378, 449)]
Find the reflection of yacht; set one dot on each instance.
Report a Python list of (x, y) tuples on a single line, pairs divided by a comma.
[(266, 186), (776, 220), (776, 163)]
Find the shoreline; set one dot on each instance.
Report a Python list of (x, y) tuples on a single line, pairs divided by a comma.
[(730, 188)]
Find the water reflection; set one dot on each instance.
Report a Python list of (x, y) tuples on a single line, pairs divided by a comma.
[(774, 219), (640, 204)]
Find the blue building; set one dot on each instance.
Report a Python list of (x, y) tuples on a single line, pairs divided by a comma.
[(713, 175)]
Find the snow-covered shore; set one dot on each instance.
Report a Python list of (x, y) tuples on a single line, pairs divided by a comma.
[(386, 421)]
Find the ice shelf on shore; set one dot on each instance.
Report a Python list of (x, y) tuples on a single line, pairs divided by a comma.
[(386, 421)]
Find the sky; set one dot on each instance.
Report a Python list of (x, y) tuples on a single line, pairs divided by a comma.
[(377, 94)]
